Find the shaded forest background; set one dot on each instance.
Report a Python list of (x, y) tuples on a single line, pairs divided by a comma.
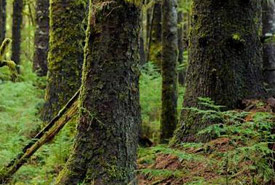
[(238, 148)]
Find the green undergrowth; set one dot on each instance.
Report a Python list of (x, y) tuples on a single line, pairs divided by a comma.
[(239, 151), (20, 103)]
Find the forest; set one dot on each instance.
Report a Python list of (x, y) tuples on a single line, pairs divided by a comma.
[(137, 92)]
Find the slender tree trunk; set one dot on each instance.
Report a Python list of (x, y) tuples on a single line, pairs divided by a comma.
[(17, 19), (144, 33), (181, 47), (269, 45), (65, 58), (169, 69), (225, 58), (41, 38), (2, 20), (155, 35), (142, 53), (106, 142)]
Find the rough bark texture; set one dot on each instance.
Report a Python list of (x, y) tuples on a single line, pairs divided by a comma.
[(225, 58), (2, 20), (269, 45), (65, 57), (41, 38), (169, 69), (16, 30), (106, 142)]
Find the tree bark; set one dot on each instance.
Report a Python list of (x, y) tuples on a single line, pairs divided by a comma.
[(225, 58), (106, 142), (2, 20), (65, 56), (155, 46), (169, 69), (41, 38), (17, 19), (269, 45), (181, 47)]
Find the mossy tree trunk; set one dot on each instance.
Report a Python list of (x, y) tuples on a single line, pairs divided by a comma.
[(181, 47), (2, 20), (155, 35), (41, 38), (106, 142), (269, 45), (144, 33), (65, 58), (169, 69), (17, 19), (225, 58)]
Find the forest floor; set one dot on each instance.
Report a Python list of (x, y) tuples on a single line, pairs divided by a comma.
[(239, 152)]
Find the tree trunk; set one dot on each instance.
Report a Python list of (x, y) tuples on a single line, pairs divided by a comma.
[(181, 47), (65, 58), (17, 19), (155, 46), (2, 20), (106, 142), (169, 69), (144, 33), (269, 45), (142, 53), (225, 58), (41, 38)]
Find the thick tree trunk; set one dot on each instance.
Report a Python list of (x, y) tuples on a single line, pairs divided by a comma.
[(41, 38), (225, 58), (2, 20), (169, 69), (65, 58), (17, 19), (269, 45), (106, 142)]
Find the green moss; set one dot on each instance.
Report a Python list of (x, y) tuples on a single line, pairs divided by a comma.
[(65, 58)]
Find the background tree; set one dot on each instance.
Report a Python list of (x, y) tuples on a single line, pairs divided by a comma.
[(269, 45), (41, 37), (169, 69), (17, 19), (106, 142), (154, 53), (225, 58), (181, 45), (2, 20), (65, 58)]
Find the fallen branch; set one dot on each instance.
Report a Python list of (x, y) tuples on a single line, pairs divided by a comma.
[(44, 136)]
